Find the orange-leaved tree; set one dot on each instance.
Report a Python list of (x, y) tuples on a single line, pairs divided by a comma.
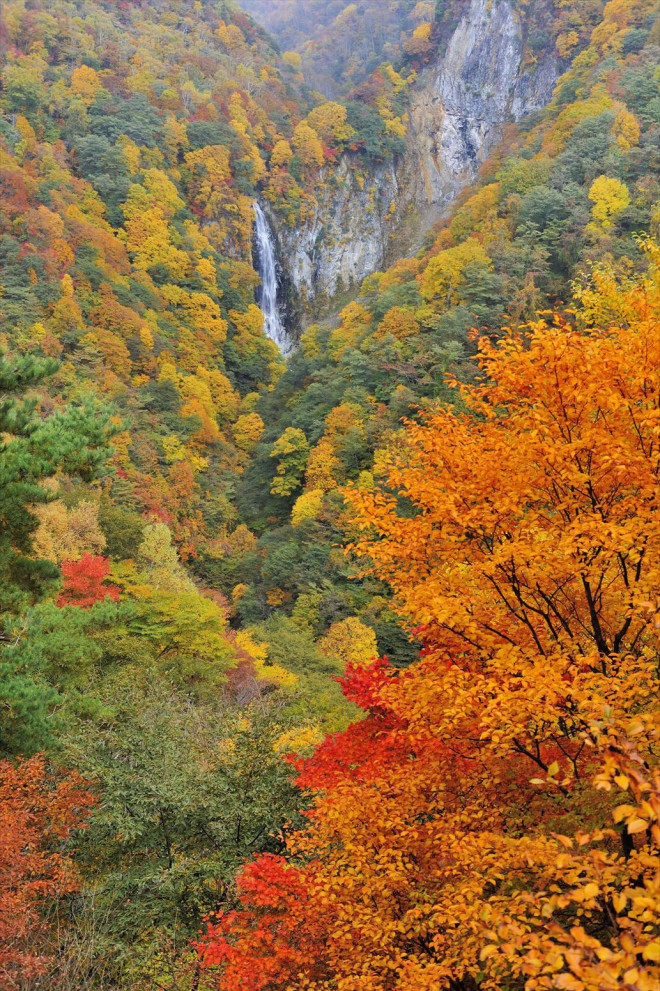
[(470, 832), (38, 812)]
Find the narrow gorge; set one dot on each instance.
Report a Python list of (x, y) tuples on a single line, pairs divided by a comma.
[(329, 519), (459, 107)]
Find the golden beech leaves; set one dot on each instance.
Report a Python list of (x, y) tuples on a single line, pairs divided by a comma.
[(282, 154), (247, 430), (626, 129), (65, 534), (549, 489), (494, 820), (328, 120), (398, 321), (444, 274), (85, 83), (350, 642), (583, 958), (322, 467), (307, 506), (292, 452), (610, 198), (307, 145)]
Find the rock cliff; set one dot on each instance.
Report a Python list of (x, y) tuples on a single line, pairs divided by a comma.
[(458, 108), (347, 235), (461, 103)]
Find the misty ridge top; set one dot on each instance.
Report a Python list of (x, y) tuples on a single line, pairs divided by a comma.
[(342, 44)]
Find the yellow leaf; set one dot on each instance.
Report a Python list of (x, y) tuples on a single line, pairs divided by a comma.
[(619, 901), (637, 826)]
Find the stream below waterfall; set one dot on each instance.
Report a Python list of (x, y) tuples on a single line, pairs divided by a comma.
[(266, 266)]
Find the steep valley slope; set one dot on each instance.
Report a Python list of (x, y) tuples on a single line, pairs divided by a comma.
[(177, 606)]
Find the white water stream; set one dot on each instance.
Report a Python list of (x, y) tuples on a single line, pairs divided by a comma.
[(267, 269)]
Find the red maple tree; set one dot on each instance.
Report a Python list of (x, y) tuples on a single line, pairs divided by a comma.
[(86, 582)]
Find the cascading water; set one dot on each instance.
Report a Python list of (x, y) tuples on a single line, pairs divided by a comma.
[(267, 269)]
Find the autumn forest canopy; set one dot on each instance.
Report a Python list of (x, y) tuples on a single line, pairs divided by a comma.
[(334, 669)]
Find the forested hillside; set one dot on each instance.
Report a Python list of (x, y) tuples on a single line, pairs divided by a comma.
[(335, 669), (573, 191), (134, 140), (341, 44)]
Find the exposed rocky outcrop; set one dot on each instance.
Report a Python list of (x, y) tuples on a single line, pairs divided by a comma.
[(461, 104), (347, 235), (458, 109)]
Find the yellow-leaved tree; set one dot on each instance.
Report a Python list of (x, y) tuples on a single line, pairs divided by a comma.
[(494, 821)]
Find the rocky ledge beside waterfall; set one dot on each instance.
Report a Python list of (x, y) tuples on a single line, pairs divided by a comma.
[(459, 107)]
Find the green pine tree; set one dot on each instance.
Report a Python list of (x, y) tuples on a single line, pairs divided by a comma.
[(33, 447)]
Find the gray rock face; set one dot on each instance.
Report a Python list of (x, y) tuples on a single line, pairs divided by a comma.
[(347, 236), (461, 104), (458, 109)]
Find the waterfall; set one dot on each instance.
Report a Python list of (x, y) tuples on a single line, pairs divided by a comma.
[(267, 269)]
